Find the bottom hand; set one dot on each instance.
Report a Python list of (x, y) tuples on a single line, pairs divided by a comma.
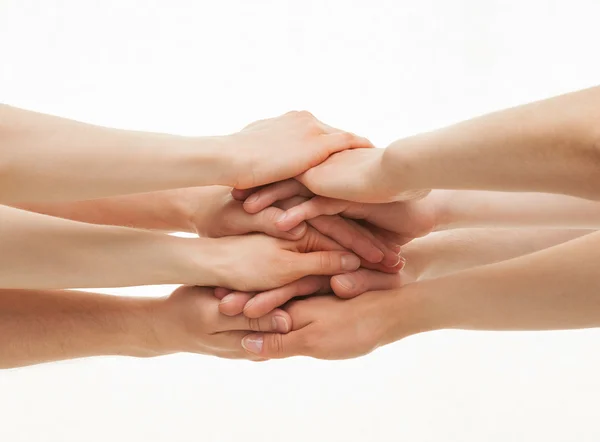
[(189, 321), (327, 327)]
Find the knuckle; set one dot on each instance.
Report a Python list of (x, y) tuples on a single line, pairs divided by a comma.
[(304, 114), (326, 260), (270, 215), (346, 137), (274, 344), (254, 324)]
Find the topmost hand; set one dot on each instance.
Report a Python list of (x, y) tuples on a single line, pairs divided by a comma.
[(357, 175), (283, 147)]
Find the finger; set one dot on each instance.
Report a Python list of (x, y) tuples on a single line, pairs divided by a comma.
[(326, 263), (221, 292), (349, 236), (275, 192), (274, 345), (264, 222), (330, 130), (242, 194), (383, 268), (276, 321), (263, 303), (310, 209), (289, 203), (390, 258), (356, 283), (394, 241), (233, 304), (337, 142), (229, 345)]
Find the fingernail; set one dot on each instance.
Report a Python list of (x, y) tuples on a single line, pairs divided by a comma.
[(281, 218), (345, 281), (253, 344), (350, 262), (252, 198), (397, 248), (298, 230), (395, 262), (403, 262), (227, 298), (280, 324)]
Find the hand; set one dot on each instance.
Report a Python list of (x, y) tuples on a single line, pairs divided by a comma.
[(189, 321), (259, 262), (211, 212), (372, 247), (327, 327), (401, 221), (355, 175), (279, 148), (348, 285)]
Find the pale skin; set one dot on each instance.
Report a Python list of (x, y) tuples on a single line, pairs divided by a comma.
[(47, 158), (41, 326), (438, 211), (548, 146), (210, 212), (525, 293), (43, 252)]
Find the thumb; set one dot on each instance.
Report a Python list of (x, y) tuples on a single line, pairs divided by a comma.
[(327, 263), (273, 345), (363, 280)]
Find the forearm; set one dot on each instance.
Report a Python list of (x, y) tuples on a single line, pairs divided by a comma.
[(43, 326), (47, 158), (42, 252), (443, 253), (556, 288), (548, 146), (466, 209), (163, 210)]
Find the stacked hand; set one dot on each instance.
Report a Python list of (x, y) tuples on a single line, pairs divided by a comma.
[(290, 207)]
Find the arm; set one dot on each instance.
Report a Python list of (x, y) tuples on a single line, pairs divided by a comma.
[(548, 146), (466, 209), (210, 212), (443, 253), (46, 158), (43, 326), (553, 289), (439, 210), (167, 210), (41, 252)]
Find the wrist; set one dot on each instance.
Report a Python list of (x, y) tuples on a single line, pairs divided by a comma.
[(400, 166), (413, 309), (139, 334), (205, 161), (444, 203), (198, 262)]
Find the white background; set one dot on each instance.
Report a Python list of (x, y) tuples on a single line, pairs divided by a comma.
[(384, 69)]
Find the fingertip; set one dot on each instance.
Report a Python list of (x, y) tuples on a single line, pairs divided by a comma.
[(350, 262), (232, 304), (374, 255), (253, 343), (221, 292), (299, 231), (344, 286), (281, 322)]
